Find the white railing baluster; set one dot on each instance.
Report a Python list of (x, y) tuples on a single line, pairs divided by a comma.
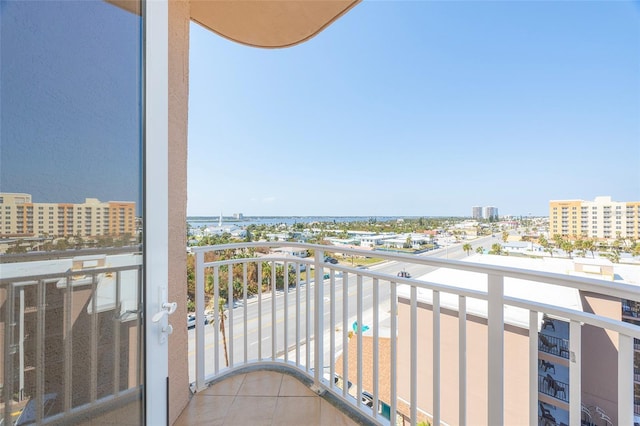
[(68, 342), (244, 309), (259, 311), (199, 302), (575, 373), (286, 311), (376, 335), (533, 368), (332, 329), (394, 353), (462, 360), (345, 334), (297, 314), (274, 317), (495, 317), (218, 319), (414, 355), (436, 358), (359, 337), (318, 316), (625, 380), (229, 314), (307, 323)]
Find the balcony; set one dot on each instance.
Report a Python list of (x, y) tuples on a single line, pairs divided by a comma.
[(328, 343), (411, 345)]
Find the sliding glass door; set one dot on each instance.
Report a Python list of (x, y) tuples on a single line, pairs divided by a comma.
[(72, 213)]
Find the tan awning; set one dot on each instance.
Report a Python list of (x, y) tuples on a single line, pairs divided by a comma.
[(268, 23)]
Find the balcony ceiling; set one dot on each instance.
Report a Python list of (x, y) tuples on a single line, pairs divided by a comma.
[(268, 23)]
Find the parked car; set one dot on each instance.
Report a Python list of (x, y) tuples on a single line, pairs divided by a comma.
[(404, 274), (331, 260), (191, 320)]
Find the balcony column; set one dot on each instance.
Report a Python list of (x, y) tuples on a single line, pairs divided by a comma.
[(495, 378), (179, 20)]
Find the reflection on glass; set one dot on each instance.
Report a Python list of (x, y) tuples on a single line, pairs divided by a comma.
[(70, 211)]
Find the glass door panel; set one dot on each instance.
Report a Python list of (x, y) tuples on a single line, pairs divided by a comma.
[(71, 179)]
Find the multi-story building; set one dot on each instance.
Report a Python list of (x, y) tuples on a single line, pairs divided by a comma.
[(491, 213), (601, 219), (21, 217), (476, 212)]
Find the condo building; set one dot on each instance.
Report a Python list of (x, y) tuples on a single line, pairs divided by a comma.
[(21, 217), (491, 212), (601, 218), (476, 212)]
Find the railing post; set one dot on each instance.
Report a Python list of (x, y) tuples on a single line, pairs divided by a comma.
[(495, 319), (625, 380), (200, 330), (575, 373), (533, 368), (318, 315)]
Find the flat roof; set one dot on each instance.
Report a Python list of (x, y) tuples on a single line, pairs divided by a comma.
[(513, 287)]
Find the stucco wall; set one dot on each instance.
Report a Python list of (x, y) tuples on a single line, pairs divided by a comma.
[(178, 109), (516, 364)]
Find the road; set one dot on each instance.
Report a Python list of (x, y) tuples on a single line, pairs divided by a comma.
[(260, 321)]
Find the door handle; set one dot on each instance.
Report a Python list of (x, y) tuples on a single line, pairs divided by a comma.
[(167, 308)]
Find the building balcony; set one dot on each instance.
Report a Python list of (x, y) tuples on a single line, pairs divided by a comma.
[(299, 338)]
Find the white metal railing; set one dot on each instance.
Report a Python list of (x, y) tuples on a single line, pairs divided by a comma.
[(67, 327), (307, 322)]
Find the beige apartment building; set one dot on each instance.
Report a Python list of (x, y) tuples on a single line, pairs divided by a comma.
[(601, 218), (21, 217)]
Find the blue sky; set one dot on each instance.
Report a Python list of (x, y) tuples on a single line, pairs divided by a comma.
[(70, 101), (421, 108)]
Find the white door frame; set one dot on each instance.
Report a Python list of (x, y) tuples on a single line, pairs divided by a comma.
[(156, 225)]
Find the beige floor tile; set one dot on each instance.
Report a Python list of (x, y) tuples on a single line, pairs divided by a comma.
[(251, 410), (229, 386), (206, 410), (293, 387), (297, 410), (261, 383), (331, 416)]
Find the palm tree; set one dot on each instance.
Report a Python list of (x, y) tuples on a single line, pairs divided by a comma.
[(496, 248), (223, 316), (467, 247), (589, 245), (505, 236), (479, 250)]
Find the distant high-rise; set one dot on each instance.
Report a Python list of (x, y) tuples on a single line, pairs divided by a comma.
[(491, 213), (476, 212), (600, 218)]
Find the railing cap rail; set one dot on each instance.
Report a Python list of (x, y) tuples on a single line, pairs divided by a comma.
[(614, 289)]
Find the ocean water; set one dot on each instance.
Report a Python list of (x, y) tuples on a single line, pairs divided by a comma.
[(198, 221)]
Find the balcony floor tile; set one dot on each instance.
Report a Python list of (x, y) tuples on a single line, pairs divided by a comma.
[(261, 398)]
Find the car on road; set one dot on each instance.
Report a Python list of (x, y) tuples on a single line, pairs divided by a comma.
[(331, 260), (404, 274), (191, 320)]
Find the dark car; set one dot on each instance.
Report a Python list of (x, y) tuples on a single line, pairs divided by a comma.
[(331, 260), (404, 274)]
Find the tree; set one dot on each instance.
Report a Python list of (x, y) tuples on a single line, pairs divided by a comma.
[(505, 236), (407, 243), (480, 250), (567, 247), (589, 245), (467, 247), (496, 248), (222, 317)]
